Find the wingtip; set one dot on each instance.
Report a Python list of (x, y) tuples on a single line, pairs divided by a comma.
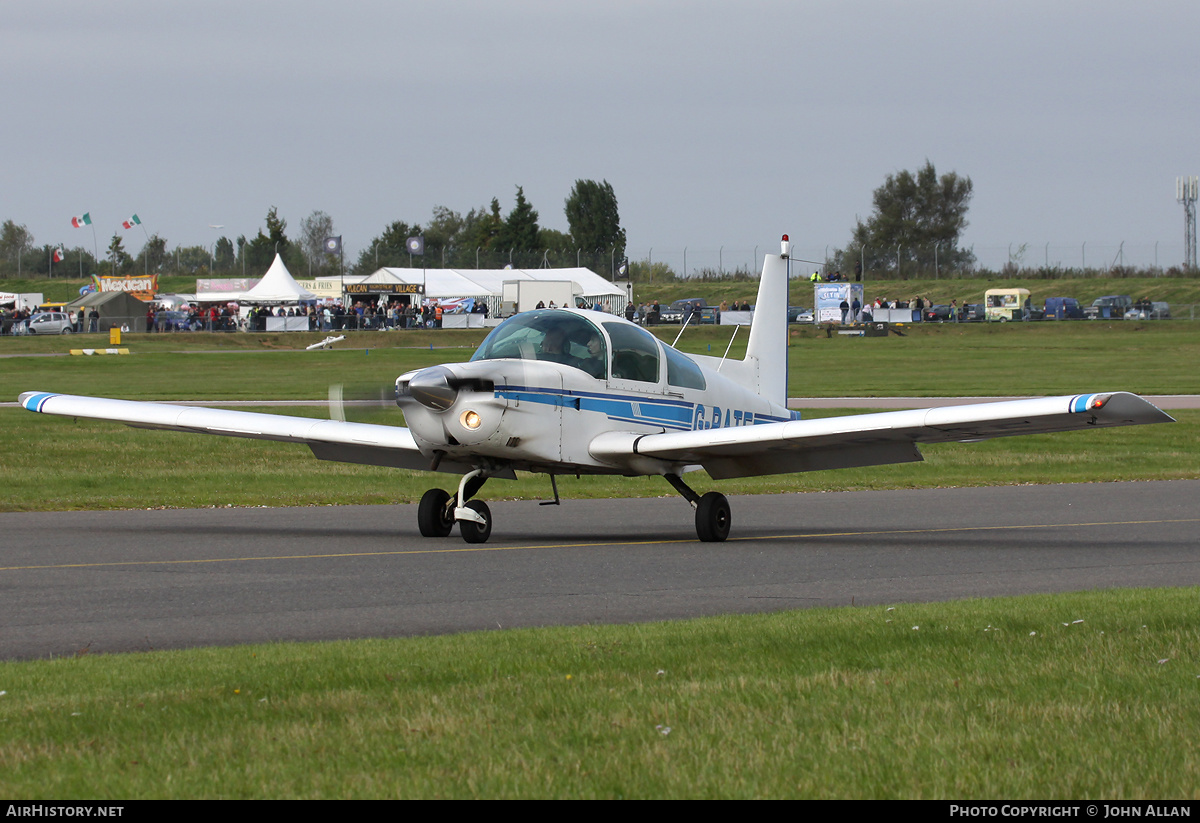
[(32, 400)]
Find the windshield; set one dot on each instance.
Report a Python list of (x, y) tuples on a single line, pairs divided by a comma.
[(553, 335)]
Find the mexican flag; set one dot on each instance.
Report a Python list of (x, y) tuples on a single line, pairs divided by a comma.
[(81, 220), (131, 222), (59, 255)]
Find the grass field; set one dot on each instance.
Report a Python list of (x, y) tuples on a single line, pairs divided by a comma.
[(1088, 695)]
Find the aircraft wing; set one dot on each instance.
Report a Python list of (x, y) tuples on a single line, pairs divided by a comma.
[(870, 439), (329, 439)]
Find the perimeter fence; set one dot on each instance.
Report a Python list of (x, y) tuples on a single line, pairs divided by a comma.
[(352, 323)]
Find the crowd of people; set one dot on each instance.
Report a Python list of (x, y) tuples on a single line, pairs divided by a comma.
[(357, 316), (854, 312), (13, 319), (650, 313)]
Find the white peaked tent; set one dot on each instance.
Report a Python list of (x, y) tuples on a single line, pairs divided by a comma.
[(276, 286)]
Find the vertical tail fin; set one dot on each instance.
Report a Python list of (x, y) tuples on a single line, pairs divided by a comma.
[(766, 352)]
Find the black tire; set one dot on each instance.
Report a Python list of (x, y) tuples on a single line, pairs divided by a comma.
[(435, 518), (471, 531), (65, 330), (713, 518)]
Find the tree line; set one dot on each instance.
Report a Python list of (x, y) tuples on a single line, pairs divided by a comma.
[(915, 227), (484, 237)]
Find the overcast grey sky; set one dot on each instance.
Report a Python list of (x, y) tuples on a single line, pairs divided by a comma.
[(718, 124)]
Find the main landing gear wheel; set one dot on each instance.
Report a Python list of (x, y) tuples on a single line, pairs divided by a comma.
[(435, 514), (473, 532), (712, 518)]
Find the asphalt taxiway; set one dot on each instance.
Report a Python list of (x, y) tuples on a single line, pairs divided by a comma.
[(138, 580)]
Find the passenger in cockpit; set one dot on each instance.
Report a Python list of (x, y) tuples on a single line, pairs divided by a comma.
[(591, 360)]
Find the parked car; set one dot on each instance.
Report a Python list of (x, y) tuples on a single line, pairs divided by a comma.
[(939, 313), (172, 321), (799, 314), (1153, 310), (1109, 307), (1063, 308), (50, 322), (972, 313), (674, 312)]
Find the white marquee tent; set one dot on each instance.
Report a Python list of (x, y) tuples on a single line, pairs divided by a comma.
[(488, 283)]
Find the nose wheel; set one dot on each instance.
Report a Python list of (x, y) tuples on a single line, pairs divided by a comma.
[(439, 510), (435, 514), (474, 531)]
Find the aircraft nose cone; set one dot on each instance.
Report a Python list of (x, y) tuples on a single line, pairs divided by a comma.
[(431, 388)]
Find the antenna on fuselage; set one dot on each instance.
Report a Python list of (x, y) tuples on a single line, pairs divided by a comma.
[(730, 346), (687, 320)]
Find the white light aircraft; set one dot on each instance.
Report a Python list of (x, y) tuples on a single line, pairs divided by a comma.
[(564, 391)]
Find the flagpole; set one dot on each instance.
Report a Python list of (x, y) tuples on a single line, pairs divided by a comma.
[(146, 255)]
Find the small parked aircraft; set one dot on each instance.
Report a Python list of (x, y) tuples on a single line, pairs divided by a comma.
[(565, 391)]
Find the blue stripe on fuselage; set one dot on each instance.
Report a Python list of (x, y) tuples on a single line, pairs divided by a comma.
[(625, 408)]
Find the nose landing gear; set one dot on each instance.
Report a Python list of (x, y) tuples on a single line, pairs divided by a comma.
[(435, 514), (438, 511)]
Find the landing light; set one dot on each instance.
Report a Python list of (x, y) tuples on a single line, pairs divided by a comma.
[(470, 419)]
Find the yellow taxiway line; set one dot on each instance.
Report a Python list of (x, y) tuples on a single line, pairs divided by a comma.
[(484, 548)]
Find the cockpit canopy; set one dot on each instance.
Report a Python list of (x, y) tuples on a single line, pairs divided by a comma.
[(572, 339), (551, 335)]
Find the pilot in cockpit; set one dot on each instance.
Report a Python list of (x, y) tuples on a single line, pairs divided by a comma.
[(550, 336), (591, 352), (554, 347)]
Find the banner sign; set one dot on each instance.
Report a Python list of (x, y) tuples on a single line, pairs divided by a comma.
[(143, 288), (384, 288), (828, 297), (453, 305), (329, 289), (228, 284)]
